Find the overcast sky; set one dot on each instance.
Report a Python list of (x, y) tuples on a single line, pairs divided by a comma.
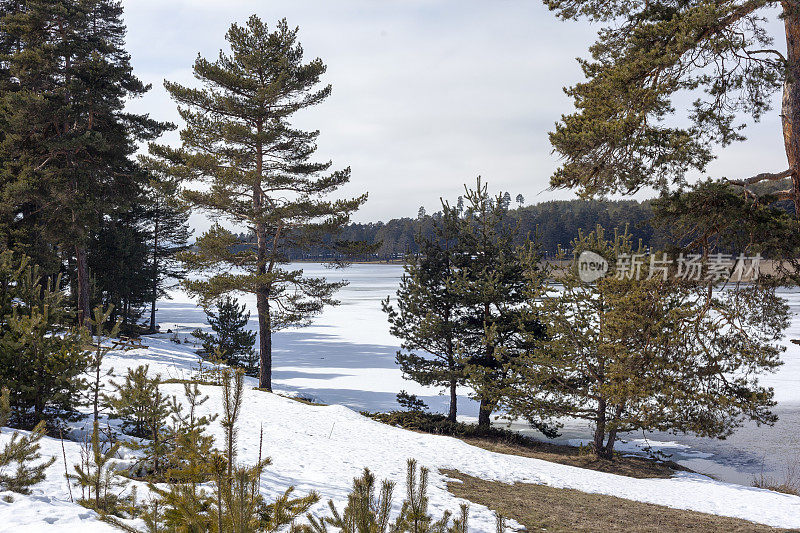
[(427, 94)]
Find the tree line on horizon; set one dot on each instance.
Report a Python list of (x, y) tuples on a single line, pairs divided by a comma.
[(554, 224)]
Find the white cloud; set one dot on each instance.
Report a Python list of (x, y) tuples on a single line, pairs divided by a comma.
[(426, 94)]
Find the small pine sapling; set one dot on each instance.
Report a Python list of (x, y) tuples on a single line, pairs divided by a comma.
[(19, 454), (231, 341), (144, 410), (411, 403), (101, 487), (367, 513), (100, 334)]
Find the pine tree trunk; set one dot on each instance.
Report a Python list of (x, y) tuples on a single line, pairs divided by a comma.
[(451, 416), (265, 341), (82, 271), (155, 277), (608, 450), (600, 429), (484, 414), (791, 96)]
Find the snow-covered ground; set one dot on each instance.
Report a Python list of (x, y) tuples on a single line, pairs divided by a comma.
[(323, 448), (346, 359)]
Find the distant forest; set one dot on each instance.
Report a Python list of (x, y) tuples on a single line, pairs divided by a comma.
[(554, 223)]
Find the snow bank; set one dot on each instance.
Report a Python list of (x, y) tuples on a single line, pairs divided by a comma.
[(323, 448)]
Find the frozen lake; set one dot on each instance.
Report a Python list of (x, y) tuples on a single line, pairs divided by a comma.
[(347, 356)]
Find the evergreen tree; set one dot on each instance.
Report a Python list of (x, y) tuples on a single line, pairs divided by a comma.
[(144, 410), (97, 477), (67, 143), (118, 259), (626, 132), (367, 512), (42, 360), (233, 501), (239, 141), (494, 279), (653, 353), (168, 225), (100, 335), (22, 452), (233, 342), (428, 313)]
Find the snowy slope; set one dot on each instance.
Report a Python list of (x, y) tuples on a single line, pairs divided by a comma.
[(323, 448)]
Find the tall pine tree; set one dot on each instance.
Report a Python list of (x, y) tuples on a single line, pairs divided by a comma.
[(494, 281), (428, 313), (67, 141), (260, 175)]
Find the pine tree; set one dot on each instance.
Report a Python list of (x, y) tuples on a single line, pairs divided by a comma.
[(653, 353), (144, 410), (239, 141), (42, 360), (428, 313), (118, 258), (67, 143), (100, 335), (97, 477), (168, 222), (494, 280), (627, 132), (233, 342), (21, 451), (367, 512), (232, 502)]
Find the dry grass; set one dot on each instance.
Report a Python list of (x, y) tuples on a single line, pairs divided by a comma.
[(790, 484), (543, 508), (637, 467), (509, 442)]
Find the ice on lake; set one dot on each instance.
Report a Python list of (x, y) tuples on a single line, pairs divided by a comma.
[(347, 356)]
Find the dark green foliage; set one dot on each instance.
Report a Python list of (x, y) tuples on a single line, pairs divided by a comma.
[(66, 142), (168, 236), (42, 360), (233, 341), (493, 285), (367, 512), (260, 174), (428, 312), (555, 224), (649, 354), (410, 402), (118, 258), (20, 453), (439, 425)]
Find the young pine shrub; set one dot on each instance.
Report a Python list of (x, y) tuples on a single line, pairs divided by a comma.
[(231, 339), (367, 513), (208, 491), (20, 453), (42, 356), (101, 488), (144, 410), (100, 334)]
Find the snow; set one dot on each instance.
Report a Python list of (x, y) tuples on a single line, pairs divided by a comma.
[(346, 359), (323, 448)]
